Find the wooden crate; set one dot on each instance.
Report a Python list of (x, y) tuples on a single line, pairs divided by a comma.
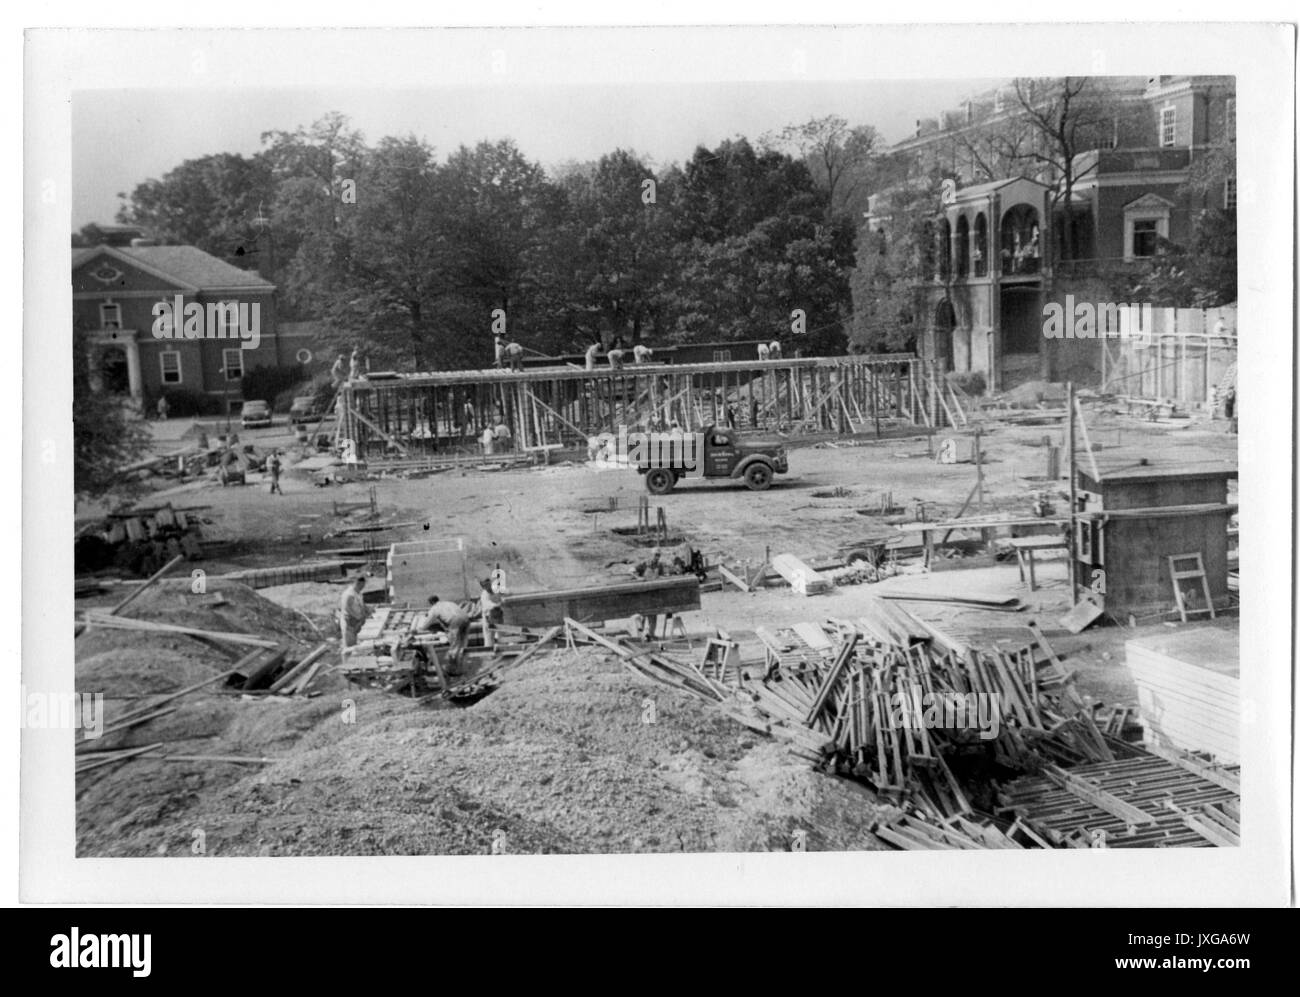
[(1187, 689)]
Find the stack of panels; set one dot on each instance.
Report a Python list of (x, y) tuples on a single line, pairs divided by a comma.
[(1187, 689), (422, 568)]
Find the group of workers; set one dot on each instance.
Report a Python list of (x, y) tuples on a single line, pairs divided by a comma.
[(445, 614), (511, 355)]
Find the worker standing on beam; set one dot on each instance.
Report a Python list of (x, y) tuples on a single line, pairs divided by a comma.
[(763, 351), (352, 611), (774, 349), (592, 352), (514, 355)]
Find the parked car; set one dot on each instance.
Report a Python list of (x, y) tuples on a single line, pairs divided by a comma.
[(255, 415), (305, 408)]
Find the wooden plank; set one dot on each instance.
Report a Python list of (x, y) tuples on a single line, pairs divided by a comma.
[(803, 579), (674, 594), (293, 673), (151, 580), (1099, 798)]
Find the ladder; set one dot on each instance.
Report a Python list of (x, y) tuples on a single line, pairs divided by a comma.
[(1182, 574)]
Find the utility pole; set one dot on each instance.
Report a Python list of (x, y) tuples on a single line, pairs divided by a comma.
[(1073, 539)]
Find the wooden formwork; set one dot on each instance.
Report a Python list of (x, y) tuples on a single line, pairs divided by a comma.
[(416, 416)]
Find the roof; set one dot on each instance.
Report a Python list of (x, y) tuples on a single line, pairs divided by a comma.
[(981, 189), (186, 265), (1187, 471)]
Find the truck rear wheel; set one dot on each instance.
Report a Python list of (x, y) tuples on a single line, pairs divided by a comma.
[(659, 481), (758, 477)]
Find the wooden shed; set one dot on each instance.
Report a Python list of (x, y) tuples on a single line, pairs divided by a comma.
[(1133, 519)]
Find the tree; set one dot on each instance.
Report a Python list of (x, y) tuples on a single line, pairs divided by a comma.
[(836, 155), (891, 262), (212, 202), (1065, 117), (104, 435)]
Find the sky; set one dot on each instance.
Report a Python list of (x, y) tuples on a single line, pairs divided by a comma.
[(122, 137)]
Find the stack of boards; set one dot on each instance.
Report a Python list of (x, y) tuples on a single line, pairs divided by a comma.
[(1187, 689)]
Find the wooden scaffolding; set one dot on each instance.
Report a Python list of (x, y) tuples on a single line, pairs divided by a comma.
[(428, 415)]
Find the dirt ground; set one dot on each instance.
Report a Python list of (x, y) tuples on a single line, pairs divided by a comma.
[(558, 759)]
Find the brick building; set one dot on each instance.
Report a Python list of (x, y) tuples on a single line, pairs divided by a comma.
[(225, 327), (1001, 249)]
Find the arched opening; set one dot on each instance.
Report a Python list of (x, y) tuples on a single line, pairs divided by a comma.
[(963, 247), (980, 255), (1021, 251), (945, 320), (945, 249), (114, 372)]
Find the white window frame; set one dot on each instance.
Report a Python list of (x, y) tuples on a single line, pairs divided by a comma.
[(104, 307), (1169, 124), (162, 366), (722, 356), (1133, 215), (227, 366)]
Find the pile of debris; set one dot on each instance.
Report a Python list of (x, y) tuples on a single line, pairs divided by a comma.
[(892, 701), (139, 541)]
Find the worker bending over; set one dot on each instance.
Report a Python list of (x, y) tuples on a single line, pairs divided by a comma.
[(455, 621), (641, 353)]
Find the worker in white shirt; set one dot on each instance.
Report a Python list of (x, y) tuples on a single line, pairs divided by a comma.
[(616, 358), (489, 607), (487, 439), (455, 621), (641, 353), (352, 611), (763, 352), (774, 350), (592, 352)]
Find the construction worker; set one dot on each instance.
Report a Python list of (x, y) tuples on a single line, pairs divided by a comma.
[(489, 607), (616, 358), (455, 621), (592, 352), (763, 352), (352, 611), (513, 354), (336, 372), (273, 466), (774, 349), (641, 353), (487, 439), (354, 365), (162, 408)]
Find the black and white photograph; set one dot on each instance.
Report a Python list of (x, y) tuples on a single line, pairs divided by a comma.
[(719, 456)]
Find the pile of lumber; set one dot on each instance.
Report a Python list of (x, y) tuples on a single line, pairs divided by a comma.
[(1142, 801)]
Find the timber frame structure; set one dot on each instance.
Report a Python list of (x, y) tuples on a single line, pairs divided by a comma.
[(427, 416)]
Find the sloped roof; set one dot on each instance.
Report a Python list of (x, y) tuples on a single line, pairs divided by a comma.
[(186, 265)]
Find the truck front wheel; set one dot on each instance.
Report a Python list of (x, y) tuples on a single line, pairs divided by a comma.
[(659, 481), (758, 477)]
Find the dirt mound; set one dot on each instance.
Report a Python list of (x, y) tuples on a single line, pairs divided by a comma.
[(561, 759)]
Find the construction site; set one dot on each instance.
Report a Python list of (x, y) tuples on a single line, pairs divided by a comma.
[(939, 621)]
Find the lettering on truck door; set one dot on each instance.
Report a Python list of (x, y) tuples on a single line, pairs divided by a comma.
[(721, 456)]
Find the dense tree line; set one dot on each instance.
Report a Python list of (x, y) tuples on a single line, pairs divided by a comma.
[(411, 255)]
